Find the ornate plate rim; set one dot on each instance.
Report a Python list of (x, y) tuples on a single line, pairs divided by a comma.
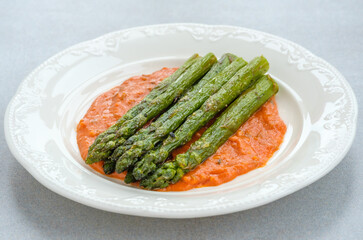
[(184, 213)]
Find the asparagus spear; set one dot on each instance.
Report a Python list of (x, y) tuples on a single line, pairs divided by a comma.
[(225, 126), (117, 137), (231, 90), (177, 116), (129, 178), (109, 164), (225, 60), (159, 89)]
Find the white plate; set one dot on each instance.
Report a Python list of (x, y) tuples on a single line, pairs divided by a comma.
[(315, 101)]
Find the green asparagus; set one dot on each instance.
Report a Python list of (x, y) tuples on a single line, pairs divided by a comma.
[(231, 90), (129, 178), (225, 126), (159, 89), (225, 60), (178, 115), (104, 149), (109, 164)]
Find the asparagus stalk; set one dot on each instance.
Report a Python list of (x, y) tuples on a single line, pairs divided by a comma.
[(109, 164), (225, 126), (230, 91), (104, 149), (178, 115), (129, 178), (225, 60), (159, 89)]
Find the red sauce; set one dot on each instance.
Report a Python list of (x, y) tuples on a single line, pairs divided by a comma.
[(249, 148)]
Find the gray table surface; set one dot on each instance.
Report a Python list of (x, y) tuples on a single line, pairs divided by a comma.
[(32, 31)]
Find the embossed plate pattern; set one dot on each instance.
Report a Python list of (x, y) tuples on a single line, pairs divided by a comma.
[(315, 101)]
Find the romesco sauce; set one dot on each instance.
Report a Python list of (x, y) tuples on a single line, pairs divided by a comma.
[(249, 148)]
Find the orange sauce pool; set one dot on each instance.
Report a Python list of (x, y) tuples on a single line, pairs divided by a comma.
[(249, 148)]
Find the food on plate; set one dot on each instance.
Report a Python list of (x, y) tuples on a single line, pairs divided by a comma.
[(177, 116), (217, 102), (174, 116), (217, 134), (119, 133), (139, 107), (156, 141)]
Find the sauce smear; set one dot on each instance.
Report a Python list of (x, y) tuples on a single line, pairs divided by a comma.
[(249, 148)]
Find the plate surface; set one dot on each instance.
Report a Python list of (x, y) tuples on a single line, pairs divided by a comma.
[(315, 101)]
